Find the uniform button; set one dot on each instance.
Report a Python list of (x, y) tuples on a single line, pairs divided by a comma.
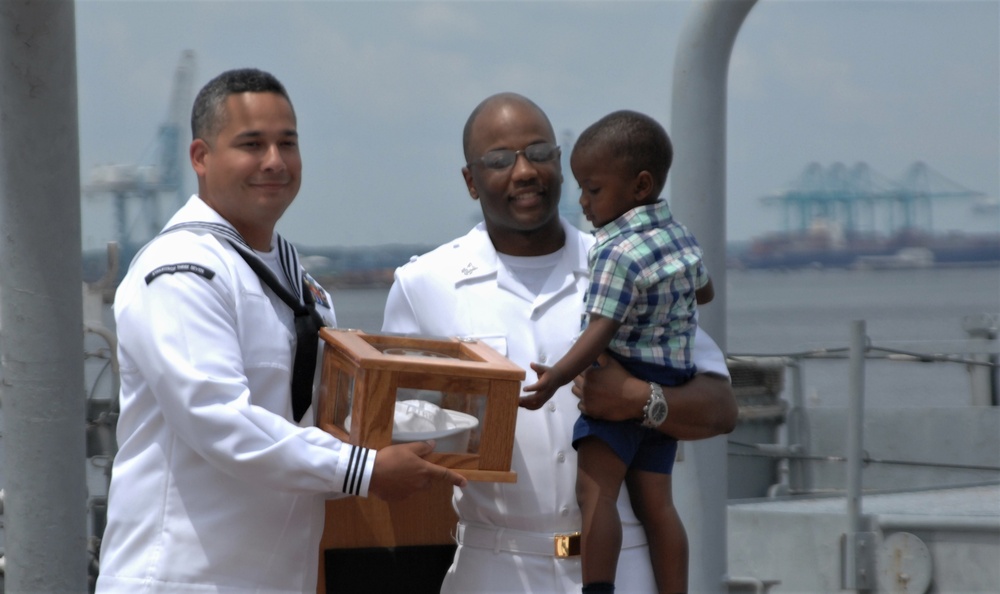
[(564, 512), (542, 357), (552, 406), (560, 457)]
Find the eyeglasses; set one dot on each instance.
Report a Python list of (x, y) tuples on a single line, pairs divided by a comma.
[(542, 152)]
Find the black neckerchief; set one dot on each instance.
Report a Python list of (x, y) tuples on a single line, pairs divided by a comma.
[(303, 305)]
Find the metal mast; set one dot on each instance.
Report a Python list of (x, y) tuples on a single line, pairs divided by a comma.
[(41, 303), (698, 190)]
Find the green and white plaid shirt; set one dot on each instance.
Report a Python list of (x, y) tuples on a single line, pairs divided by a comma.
[(644, 270)]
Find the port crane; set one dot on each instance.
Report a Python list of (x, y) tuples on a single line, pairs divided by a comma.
[(139, 190), (850, 198)]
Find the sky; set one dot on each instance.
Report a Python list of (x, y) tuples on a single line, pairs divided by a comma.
[(382, 90)]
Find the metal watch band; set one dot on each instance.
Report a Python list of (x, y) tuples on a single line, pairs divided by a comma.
[(655, 411)]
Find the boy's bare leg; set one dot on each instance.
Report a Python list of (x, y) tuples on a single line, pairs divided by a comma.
[(600, 473), (653, 503)]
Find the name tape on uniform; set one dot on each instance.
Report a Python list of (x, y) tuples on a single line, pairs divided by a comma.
[(181, 267)]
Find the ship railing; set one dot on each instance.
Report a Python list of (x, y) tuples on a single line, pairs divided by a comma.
[(784, 450), (974, 439)]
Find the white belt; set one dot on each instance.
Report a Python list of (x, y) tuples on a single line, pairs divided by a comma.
[(532, 543)]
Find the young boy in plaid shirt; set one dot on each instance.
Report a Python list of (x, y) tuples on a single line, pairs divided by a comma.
[(646, 278)]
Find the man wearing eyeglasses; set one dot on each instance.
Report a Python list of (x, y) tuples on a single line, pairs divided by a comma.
[(517, 282)]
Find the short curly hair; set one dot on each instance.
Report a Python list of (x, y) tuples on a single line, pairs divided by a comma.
[(637, 139)]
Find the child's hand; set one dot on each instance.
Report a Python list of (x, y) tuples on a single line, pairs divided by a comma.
[(541, 391)]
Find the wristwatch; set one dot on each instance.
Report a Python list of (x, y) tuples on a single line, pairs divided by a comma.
[(655, 411)]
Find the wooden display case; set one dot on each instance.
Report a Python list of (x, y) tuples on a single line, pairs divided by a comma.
[(363, 376)]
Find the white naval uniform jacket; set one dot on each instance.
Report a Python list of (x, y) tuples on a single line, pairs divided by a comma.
[(214, 487), (463, 289)]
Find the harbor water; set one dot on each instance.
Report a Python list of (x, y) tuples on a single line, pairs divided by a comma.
[(779, 313)]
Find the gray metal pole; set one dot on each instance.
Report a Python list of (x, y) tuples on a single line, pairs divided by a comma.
[(698, 130), (855, 452), (41, 308), (983, 378), (798, 432), (698, 199)]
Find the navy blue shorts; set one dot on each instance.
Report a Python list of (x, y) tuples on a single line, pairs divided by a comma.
[(641, 448)]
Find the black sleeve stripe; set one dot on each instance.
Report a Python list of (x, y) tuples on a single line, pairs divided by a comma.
[(350, 465), (355, 470)]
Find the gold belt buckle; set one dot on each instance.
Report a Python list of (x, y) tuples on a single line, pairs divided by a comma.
[(567, 545)]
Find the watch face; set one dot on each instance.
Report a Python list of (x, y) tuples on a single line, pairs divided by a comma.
[(658, 411)]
